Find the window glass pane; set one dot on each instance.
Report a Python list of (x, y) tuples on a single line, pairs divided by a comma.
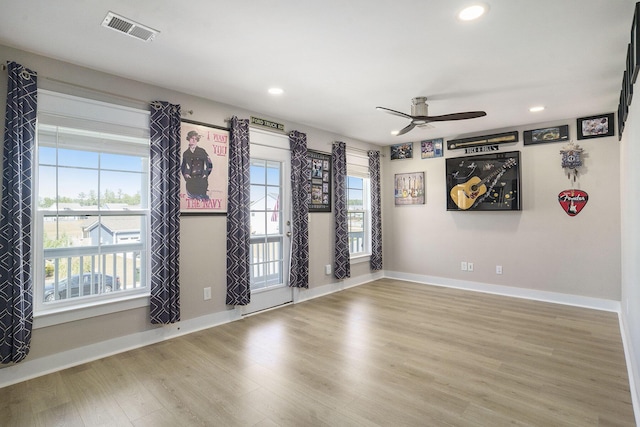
[(121, 162), (78, 186), (76, 248), (258, 200), (47, 186), (273, 173), (122, 188), (84, 159), (356, 232), (257, 171), (273, 198), (355, 200), (258, 223), (354, 182), (47, 155)]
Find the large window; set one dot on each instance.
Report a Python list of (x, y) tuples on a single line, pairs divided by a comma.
[(358, 206), (91, 202)]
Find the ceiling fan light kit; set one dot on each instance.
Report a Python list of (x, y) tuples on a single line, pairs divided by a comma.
[(420, 115)]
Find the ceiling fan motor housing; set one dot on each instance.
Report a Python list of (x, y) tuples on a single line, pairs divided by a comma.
[(419, 106)]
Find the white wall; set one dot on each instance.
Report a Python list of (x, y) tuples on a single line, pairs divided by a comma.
[(539, 248), (630, 226)]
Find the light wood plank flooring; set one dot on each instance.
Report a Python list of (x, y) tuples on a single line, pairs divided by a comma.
[(388, 353)]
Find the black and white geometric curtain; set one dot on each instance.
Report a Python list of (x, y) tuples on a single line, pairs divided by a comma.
[(341, 259), (376, 210), (165, 212), (300, 188), (238, 215), (16, 292)]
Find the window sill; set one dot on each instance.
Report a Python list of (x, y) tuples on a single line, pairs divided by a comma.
[(357, 259), (58, 315)]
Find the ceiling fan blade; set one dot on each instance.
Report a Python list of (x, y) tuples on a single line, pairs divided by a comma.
[(394, 112), (406, 129), (456, 116)]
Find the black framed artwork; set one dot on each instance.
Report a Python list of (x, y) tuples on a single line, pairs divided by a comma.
[(487, 182), (544, 135), (319, 165), (598, 126)]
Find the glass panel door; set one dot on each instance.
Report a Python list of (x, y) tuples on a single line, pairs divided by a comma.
[(267, 255), (269, 210)]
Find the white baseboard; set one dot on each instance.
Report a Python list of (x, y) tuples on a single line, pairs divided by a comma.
[(510, 291), (315, 292), (632, 369)]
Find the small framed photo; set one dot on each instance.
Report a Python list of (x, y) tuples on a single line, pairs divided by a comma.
[(402, 151), (595, 126), (550, 134), (431, 148)]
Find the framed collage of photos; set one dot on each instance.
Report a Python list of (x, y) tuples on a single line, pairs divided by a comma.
[(319, 165), (204, 168)]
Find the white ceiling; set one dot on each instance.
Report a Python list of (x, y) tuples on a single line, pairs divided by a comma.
[(338, 59)]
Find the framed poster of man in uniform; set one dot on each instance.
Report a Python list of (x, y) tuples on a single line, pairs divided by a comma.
[(204, 168)]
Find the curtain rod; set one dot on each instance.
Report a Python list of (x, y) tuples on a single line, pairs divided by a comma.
[(91, 89), (362, 150)]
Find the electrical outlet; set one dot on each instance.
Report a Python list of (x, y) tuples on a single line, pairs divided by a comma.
[(207, 293), (463, 266), (469, 266), (327, 269), (498, 269)]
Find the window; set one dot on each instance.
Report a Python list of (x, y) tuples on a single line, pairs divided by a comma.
[(358, 205), (91, 202)]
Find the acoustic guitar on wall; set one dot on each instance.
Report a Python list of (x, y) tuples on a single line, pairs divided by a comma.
[(465, 195)]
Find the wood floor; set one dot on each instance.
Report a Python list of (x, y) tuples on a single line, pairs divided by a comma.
[(388, 353)]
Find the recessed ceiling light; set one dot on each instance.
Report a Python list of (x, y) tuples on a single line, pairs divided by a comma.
[(472, 12), (276, 91), (536, 109), (395, 132)]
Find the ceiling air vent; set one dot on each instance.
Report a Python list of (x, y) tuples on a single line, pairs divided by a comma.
[(129, 27)]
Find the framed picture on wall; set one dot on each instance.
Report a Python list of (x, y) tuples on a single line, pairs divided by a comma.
[(544, 135), (409, 188), (402, 151), (596, 126), (204, 168), (431, 148), (319, 165), (488, 182)]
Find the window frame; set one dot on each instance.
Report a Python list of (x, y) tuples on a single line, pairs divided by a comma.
[(91, 118), (358, 167)]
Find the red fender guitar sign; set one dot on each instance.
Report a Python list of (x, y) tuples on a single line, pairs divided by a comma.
[(572, 201)]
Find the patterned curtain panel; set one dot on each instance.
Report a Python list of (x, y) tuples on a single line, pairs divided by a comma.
[(376, 211), (341, 262), (165, 213), (300, 188), (238, 215), (16, 293)]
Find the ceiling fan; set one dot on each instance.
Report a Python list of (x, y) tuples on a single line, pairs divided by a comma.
[(420, 114)]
